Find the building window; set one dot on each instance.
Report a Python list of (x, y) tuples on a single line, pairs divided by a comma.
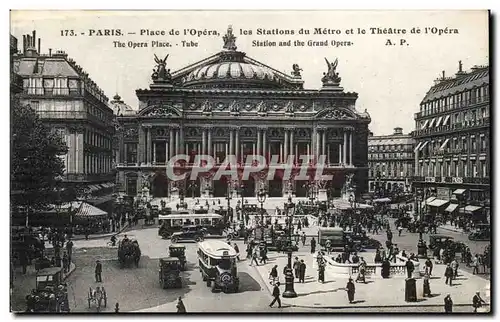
[(456, 172), (466, 168), (473, 143), (474, 170), (464, 144), (35, 105)]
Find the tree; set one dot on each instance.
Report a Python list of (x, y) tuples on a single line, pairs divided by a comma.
[(36, 167)]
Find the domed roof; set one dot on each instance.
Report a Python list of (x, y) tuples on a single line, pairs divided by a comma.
[(232, 70)]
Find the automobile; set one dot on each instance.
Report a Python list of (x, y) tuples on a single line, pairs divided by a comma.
[(482, 233), (437, 241), (48, 278), (178, 251), (194, 233), (339, 238), (169, 273)]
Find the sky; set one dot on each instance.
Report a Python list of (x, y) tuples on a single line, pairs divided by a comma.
[(390, 78)]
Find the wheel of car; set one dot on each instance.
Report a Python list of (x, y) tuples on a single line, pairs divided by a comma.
[(230, 237), (174, 240), (197, 239), (358, 247), (209, 282)]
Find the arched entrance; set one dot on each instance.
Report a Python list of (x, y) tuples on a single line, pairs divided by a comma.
[(220, 187), (160, 185), (276, 185), (131, 183), (193, 188), (389, 187), (249, 187)]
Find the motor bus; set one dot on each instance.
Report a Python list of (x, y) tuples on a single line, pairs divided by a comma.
[(169, 224), (217, 262)]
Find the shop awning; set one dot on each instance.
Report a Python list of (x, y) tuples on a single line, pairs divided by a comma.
[(458, 191), (382, 200), (428, 200), (451, 207), (446, 119), (432, 122), (443, 146), (425, 124), (439, 121), (438, 203), (87, 210), (423, 145), (471, 209)]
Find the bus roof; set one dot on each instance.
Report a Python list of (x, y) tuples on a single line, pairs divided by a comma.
[(187, 216), (217, 248)]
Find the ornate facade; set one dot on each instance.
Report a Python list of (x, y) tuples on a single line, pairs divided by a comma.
[(70, 102), (390, 159), (452, 154), (231, 104)]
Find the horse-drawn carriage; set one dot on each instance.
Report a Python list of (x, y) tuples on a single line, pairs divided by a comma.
[(98, 297), (129, 252)]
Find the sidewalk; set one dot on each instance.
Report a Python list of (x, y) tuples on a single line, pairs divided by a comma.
[(452, 228), (332, 294)]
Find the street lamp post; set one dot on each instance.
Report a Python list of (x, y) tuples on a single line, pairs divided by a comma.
[(242, 187), (421, 246), (262, 198), (289, 287)]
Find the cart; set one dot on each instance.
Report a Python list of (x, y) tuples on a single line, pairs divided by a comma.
[(98, 297)]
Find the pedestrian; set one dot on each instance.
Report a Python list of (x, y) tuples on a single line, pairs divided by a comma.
[(321, 271), (255, 255), (427, 285), (328, 246), (410, 267), (448, 304), (448, 273), (296, 267), (303, 238), (378, 257), (429, 265), (454, 266), (263, 254), (180, 306), (65, 262), (475, 265), (362, 271), (276, 295), (69, 249), (400, 230), (313, 245), (477, 302), (351, 289), (117, 307), (237, 250), (273, 275), (98, 271), (302, 271)]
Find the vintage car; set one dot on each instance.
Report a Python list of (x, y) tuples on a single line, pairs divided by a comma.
[(437, 241), (129, 252), (339, 238), (48, 296), (217, 262), (189, 233), (169, 273), (482, 233), (178, 251)]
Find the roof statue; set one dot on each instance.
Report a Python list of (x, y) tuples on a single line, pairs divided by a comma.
[(331, 76), (161, 73), (229, 39), (296, 70)]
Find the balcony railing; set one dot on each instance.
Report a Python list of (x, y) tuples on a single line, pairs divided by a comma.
[(454, 106), (54, 91), (458, 180), (465, 125), (89, 177)]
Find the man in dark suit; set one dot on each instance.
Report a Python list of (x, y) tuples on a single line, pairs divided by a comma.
[(276, 295), (98, 271)]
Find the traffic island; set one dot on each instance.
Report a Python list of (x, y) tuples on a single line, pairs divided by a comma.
[(332, 293)]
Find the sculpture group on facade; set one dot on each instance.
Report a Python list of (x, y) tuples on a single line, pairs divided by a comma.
[(331, 77), (161, 73), (229, 39), (296, 70)]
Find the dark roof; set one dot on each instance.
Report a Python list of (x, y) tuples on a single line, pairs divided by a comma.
[(47, 67), (476, 78)]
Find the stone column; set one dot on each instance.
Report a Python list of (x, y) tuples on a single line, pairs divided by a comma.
[(177, 141), (227, 150), (154, 152), (181, 139), (203, 141), (344, 152), (79, 151), (141, 146), (209, 142), (281, 152), (171, 142), (148, 145), (340, 153), (286, 145), (323, 142), (318, 139), (308, 149), (253, 149), (125, 153), (292, 150), (313, 143), (167, 154), (259, 148), (237, 143), (264, 143), (350, 148), (231, 141)]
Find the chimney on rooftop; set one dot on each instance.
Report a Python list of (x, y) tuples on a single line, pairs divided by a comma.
[(398, 131)]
